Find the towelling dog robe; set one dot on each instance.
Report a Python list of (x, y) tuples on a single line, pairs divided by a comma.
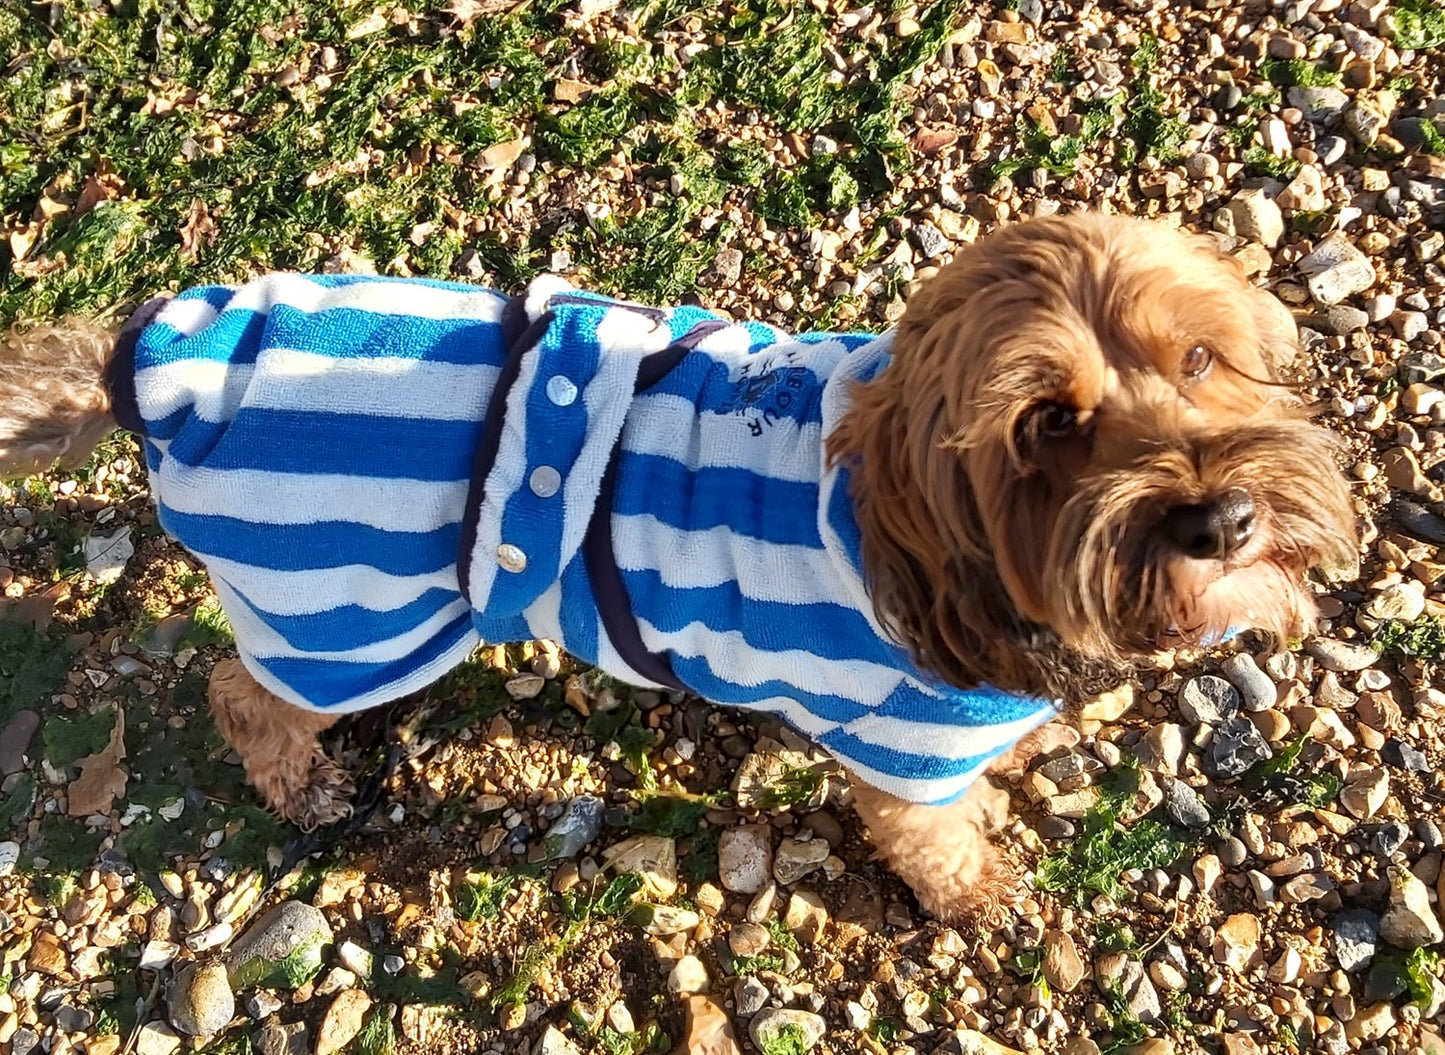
[(380, 473)]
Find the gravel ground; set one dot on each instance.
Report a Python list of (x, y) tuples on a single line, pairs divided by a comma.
[(1248, 859)]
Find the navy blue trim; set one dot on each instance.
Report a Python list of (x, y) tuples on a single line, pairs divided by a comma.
[(119, 374), (520, 339), (614, 604)]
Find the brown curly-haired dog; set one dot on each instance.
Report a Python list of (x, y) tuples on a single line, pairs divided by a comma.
[(1082, 449)]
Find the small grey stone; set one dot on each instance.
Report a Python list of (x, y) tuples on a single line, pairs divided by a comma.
[(1232, 852), (1183, 804), (1401, 755), (931, 242), (1387, 838), (749, 997), (1355, 935), (1414, 519), (261, 1004), (277, 1038), (579, 824), (24, 1041), (1330, 149), (1421, 367), (1339, 320), (1055, 828), (1429, 833), (1335, 270), (72, 1019), (1237, 747), (1323, 105), (1208, 700), (727, 267), (1129, 978), (1255, 688)]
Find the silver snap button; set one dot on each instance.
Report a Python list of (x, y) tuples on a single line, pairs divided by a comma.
[(511, 558), (545, 481), (560, 390)]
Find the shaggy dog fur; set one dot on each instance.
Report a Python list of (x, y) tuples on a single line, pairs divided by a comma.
[(1083, 450)]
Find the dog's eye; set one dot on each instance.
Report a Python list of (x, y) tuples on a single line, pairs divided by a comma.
[(1053, 419), (1197, 362)]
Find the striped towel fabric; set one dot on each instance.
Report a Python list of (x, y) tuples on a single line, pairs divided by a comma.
[(380, 473)]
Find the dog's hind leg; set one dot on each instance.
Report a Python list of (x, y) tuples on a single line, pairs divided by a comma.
[(279, 747)]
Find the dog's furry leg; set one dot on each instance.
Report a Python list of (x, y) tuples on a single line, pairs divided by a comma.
[(943, 852), (53, 399), (279, 747)]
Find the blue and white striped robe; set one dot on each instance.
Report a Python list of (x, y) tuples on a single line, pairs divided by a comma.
[(381, 473)]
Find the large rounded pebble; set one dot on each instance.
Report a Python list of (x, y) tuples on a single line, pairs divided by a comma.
[(1062, 965), (1341, 656), (1256, 690), (157, 1038), (342, 1022), (283, 949), (775, 1027), (200, 999)]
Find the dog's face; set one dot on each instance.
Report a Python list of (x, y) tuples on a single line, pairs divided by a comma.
[(1083, 434)]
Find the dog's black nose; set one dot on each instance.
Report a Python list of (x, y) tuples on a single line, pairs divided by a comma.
[(1214, 529)]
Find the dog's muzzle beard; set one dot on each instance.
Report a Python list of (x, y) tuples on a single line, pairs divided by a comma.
[(1123, 581)]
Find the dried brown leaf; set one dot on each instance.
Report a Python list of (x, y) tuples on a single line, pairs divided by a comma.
[(102, 778), (99, 187), (198, 228)]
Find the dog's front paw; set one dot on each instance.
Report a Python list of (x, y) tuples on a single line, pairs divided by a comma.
[(323, 799)]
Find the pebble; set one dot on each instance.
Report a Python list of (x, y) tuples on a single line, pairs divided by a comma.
[(1336, 270), (796, 858), (1401, 755), (9, 856), (1236, 747), (200, 1000), (1236, 941), (749, 997), (1252, 215), (1062, 966), (1183, 804), (806, 917), (931, 242), (745, 858), (769, 1029), (554, 1042), (1256, 690), (1365, 792), (1208, 700), (1410, 921), (688, 975), (283, 946), (1341, 656), (157, 1038), (572, 832), (1128, 977), (342, 1021)]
